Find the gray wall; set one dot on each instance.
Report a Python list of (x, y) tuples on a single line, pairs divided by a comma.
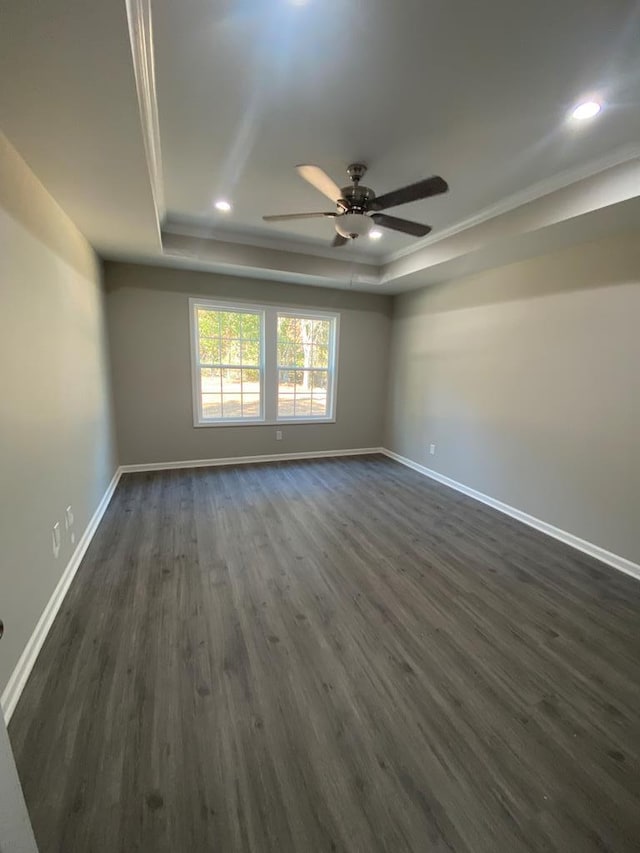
[(527, 379), (148, 319), (56, 437), (16, 835)]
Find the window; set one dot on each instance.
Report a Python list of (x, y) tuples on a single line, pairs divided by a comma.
[(255, 364), (228, 364), (303, 366)]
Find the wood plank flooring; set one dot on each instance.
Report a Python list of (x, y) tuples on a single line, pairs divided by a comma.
[(334, 655)]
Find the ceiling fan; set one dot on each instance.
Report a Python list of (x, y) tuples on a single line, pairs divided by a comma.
[(358, 208)]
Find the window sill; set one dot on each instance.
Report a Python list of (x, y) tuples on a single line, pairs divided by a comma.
[(284, 422)]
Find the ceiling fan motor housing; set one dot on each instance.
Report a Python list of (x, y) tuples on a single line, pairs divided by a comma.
[(353, 225), (361, 198)]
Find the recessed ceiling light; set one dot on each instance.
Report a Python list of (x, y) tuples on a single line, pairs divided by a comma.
[(223, 206), (375, 234), (588, 109)]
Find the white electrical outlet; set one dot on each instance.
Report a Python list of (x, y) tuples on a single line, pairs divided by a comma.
[(68, 518), (55, 539), (432, 449), (278, 435)]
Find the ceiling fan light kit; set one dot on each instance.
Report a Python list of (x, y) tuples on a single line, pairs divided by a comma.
[(353, 225), (358, 208)]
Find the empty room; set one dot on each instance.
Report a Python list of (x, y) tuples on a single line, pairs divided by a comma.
[(320, 429)]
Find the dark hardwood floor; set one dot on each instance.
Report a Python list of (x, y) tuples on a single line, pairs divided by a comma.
[(334, 655)]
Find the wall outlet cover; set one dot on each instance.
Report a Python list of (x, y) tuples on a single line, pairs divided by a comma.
[(55, 539)]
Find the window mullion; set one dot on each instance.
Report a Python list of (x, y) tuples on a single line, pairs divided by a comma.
[(270, 380)]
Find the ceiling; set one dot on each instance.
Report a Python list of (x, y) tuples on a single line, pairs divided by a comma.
[(138, 116)]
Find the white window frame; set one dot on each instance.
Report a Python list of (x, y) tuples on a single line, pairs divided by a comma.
[(268, 362)]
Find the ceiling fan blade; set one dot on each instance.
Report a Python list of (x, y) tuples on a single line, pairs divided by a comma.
[(339, 240), (404, 225), (414, 192), (283, 217), (319, 179)]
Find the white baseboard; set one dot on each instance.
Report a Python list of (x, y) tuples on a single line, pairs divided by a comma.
[(23, 668), (611, 559), (247, 460)]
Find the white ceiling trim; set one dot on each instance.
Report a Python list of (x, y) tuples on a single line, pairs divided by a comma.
[(545, 187), (142, 53)]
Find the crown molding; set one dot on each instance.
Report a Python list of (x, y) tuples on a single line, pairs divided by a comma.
[(141, 39), (538, 190)]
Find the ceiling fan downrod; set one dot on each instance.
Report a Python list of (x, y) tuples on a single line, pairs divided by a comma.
[(358, 199)]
